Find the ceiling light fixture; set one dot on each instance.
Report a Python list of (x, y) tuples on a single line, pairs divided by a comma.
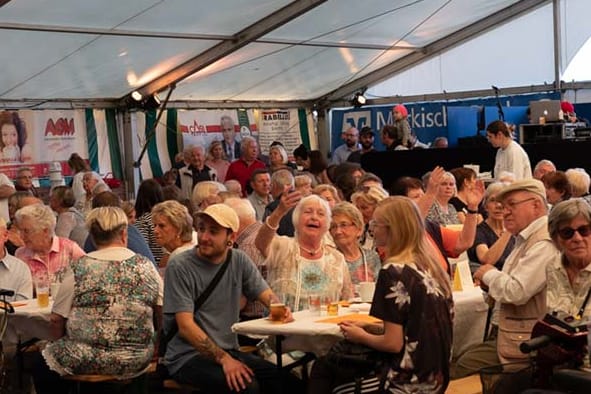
[(137, 96), (358, 100)]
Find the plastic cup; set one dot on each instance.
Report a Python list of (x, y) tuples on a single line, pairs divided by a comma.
[(314, 300), (366, 290), (42, 296)]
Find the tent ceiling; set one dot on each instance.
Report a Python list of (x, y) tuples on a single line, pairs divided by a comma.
[(226, 50)]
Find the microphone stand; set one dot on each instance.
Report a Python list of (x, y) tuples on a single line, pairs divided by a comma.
[(499, 106)]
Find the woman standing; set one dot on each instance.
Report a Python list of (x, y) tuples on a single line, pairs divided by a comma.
[(70, 221), (103, 317), (216, 159), (492, 243), (79, 166), (510, 156), (148, 195), (418, 338), (305, 264), (346, 228)]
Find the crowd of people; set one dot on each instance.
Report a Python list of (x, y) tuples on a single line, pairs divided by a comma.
[(229, 232)]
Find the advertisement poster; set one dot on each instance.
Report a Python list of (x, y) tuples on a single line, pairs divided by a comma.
[(38, 138), (279, 125)]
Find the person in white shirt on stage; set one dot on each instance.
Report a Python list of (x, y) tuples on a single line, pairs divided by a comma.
[(510, 155)]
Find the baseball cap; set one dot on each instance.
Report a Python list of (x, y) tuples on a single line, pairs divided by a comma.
[(366, 130), (222, 215)]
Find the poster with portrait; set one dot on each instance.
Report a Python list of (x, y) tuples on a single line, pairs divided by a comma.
[(37, 138)]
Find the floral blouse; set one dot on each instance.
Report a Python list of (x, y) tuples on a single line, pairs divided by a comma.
[(109, 328), (411, 298), (295, 278), (437, 214)]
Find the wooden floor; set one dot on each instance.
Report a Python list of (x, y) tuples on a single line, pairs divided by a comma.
[(468, 385)]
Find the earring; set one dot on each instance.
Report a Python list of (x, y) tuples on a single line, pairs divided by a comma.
[(230, 243)]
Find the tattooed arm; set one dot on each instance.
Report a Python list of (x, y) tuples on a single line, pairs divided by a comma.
[(238, 375)]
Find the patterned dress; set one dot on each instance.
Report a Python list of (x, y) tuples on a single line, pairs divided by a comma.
[(411, 298), (110, 324)]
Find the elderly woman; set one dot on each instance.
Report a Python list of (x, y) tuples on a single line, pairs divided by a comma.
[(569, 278), (346, 228), (70, 221), (558, 187), (492, 243), (329, 193), (442, 211), (46, 254), (173, 228), (103, 317), (413, 300), (305, 264), (278, 158), (366, 201), (206, 193)]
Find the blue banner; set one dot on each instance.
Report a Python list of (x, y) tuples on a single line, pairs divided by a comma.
[(433, 119)]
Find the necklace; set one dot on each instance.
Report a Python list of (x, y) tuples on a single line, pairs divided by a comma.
[(311, 252)]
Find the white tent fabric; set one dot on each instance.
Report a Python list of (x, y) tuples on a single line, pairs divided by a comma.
[(293, 51)]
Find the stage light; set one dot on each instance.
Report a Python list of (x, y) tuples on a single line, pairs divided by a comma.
[(137, 96), (151, 102), (358, 100)]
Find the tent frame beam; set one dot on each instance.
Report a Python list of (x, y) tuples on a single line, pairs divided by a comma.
[(454, 39), (226, 47)]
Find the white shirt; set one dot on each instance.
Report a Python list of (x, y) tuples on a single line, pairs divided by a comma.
[(513, 159), (4, 201), (16, 275), (342, 152)]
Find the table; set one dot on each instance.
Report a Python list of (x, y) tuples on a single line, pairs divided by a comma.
[(308, 335), (29, 321)]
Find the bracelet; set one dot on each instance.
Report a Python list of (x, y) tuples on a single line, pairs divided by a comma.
[(269, 225), (471, 211)]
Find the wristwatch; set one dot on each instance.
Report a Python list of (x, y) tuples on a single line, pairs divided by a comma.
[(471, 211)]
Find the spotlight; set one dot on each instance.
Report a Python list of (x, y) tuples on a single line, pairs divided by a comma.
[(358, 100), (151, 102), (137, 96)]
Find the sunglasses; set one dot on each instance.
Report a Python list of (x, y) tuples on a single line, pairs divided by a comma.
[(568, 233)]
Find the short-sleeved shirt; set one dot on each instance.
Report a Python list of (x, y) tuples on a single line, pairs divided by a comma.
[(187, 276), (107, 298), (409, 297), (15, 275), (63, 251)]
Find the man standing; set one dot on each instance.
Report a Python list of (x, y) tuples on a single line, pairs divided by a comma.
[(510, 156), (260, 182), (195, 172), (204, 351), (230, 145), (520, 288), (242, 169), (340, 154), (366, 138)]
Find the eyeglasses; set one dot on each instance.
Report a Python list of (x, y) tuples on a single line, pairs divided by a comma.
[(374, 223), (512, 204), (340, 226), (567, 232)]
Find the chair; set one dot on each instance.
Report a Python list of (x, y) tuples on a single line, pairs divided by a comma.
[(133, 385)]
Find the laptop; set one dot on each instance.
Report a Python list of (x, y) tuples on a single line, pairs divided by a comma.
[(547, 108)]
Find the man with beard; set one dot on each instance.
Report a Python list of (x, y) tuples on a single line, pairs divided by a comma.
[(340, 154), (366, 138), (204, 351)]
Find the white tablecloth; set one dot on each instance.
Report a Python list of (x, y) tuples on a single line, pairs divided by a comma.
[(303, 333), (29, 321)]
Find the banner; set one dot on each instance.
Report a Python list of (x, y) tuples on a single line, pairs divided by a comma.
[(280, 125), (37, 138), (201, 127), (427, 120)]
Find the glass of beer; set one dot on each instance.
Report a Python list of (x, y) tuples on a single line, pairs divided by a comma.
[(42, 292), (277, 309)]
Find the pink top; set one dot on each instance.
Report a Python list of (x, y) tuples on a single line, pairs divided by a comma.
[(62, 252), (221, 167)]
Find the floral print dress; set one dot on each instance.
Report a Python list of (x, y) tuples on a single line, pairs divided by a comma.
[(411, 298), (110, 324)]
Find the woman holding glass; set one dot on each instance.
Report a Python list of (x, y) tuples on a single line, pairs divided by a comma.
[(305, 264), (413, 299), (104, 315)]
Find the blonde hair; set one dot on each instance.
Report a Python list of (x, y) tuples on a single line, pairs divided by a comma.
[(406, 226), (105, 224), (206, 189), (318, 190), (579, 181), (371, 195), (178, 216)]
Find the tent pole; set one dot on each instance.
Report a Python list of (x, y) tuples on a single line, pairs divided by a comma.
[(557, 45)]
